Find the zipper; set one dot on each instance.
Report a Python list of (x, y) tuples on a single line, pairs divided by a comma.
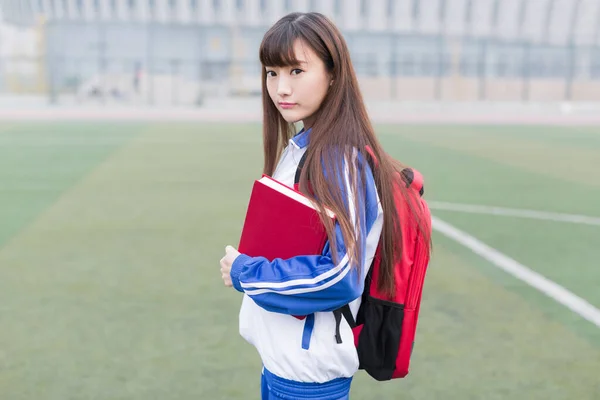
[(417, 276)]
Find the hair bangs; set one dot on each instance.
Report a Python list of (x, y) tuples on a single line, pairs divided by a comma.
[(277, 48)]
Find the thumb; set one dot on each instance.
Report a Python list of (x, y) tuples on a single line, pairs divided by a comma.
[(229, 249)]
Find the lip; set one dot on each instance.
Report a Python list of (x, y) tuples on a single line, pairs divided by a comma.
[(286, 105)]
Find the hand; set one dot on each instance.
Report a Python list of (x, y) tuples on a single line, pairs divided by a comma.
[(230, 255)]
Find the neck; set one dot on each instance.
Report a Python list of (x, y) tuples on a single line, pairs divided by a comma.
[(308, 122)]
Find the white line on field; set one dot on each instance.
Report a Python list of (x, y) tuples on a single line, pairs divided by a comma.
[(514, 212), (537, 281)]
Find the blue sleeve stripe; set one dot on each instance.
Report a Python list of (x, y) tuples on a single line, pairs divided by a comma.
[(304, 290), (298, 282)]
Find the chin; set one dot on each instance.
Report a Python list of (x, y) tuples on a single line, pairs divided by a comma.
[(292, 117)]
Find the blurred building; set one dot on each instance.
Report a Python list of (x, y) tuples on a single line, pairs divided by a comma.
[(178, 51)]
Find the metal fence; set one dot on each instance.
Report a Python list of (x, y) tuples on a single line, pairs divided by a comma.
[(449, 69)]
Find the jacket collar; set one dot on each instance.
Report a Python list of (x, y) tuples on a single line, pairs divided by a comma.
[(301, 139)]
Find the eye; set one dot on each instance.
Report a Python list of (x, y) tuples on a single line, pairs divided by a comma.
[(296, 71), (271, 73)]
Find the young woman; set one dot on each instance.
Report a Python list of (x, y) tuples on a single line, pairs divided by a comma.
[(308, 77)]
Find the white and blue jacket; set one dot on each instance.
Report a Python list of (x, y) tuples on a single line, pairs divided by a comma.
[(312, 285)]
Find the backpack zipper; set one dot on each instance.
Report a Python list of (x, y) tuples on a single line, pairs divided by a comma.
[(417, 276)]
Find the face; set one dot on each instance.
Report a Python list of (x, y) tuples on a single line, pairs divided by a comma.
[(298, 91)]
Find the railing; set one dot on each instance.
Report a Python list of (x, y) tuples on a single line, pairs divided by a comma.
[(484, 72)]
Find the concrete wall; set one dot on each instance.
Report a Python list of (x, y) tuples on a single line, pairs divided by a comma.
[(474, 89)]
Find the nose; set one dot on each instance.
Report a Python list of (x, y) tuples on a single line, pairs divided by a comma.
[(284, 87)]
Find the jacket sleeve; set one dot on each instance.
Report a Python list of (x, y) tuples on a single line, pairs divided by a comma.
[(310, 283)]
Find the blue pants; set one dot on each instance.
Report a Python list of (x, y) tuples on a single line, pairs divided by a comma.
[(276, 388)]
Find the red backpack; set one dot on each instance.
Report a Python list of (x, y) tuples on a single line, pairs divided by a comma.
[(385, 327)]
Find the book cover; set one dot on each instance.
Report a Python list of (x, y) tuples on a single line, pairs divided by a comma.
[(281, 223)]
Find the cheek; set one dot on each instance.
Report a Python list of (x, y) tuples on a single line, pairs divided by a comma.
[(271, 90), (315, 93)]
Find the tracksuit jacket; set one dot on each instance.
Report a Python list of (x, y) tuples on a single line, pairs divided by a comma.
[(305, 350)]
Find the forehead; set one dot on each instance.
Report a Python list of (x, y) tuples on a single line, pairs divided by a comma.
[(303, 52)]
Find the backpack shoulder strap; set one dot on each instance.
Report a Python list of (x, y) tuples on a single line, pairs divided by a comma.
[(299, 171), (347, 313)]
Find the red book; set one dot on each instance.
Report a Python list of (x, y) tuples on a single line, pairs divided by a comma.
[(281, 223)]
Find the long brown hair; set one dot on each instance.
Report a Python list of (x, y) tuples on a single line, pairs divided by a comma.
[(341, 128)]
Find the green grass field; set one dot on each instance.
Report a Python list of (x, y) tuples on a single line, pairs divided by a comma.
[(111, 235)]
